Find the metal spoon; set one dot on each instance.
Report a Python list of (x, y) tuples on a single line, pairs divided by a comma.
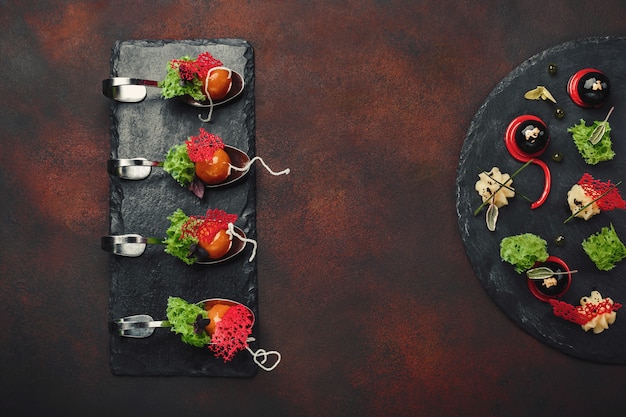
[(142, 325), (134, 245), (133, 90), (140, 168)]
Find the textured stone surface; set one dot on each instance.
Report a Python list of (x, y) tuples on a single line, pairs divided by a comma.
[(142, 285)]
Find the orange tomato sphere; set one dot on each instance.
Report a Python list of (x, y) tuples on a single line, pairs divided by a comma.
[(216, 312), (219, 246), (218, 83), (216, 170)]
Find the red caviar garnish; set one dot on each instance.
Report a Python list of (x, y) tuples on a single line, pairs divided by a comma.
[(583, 314), (232, 332), (203, 146), (195, 68), (204, 228)]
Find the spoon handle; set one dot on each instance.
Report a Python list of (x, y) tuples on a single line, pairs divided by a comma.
[(108, 243), (117, 163), (126, 325), (117, 81)]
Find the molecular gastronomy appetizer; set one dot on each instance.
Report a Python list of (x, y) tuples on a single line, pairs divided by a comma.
[(523, 251), (594, 312), (495, 189), (205, 79), (203, 239), (204, 161), (590, 196), (605, 249), (223, 326), (593, 142)]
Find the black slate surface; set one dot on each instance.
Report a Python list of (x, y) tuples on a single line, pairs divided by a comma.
[(484, 148), (142, 285)]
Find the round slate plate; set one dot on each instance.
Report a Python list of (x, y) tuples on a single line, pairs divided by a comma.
[(484, 148)]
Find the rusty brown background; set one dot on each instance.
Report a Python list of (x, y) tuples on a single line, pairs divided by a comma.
[(364, 284)]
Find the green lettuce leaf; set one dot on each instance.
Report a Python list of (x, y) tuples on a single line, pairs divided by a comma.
[(173, 86), (182, 317), (522, 251), (592, 154), (179, 166), (175, 244), (605, 248)]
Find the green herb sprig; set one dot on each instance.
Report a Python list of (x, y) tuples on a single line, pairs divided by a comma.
[(593, 201), (544, 272)]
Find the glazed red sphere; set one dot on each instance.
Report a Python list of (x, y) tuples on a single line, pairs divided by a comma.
[(219, 246), (218, 83), (216, 170), (589, 87)]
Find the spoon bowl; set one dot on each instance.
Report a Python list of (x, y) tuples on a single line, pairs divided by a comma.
[(134, 90), (134, 245)]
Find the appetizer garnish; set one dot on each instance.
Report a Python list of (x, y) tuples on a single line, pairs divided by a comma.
[(200, 238), (589, 87), (203, 78), (202, 160), (495, 189), (549, 279), (593, 142), (605, 248), (594, 312), (224, 327), (526, 138), (540, 92), (523, 251), (590, 196)]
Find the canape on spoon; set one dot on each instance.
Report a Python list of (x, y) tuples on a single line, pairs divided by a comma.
[(223, 326), (204, 240), (201, 82), (203, 161)]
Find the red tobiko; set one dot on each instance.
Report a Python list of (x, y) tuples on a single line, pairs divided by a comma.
[(232, 332), (203, 146), (204, 228), (198, 68)]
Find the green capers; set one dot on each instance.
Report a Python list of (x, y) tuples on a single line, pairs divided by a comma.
[(560, 240), (552, 68), (559, 113), (557, 157)]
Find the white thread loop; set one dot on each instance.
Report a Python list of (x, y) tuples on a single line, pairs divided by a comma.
[(231, 231), (261, 356)]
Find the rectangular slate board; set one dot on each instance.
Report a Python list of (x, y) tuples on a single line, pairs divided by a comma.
[(142, 285)]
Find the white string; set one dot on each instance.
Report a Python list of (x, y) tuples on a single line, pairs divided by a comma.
[(261, 356), (208, 118), (231, 231), (258, 158), (206, 89)]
